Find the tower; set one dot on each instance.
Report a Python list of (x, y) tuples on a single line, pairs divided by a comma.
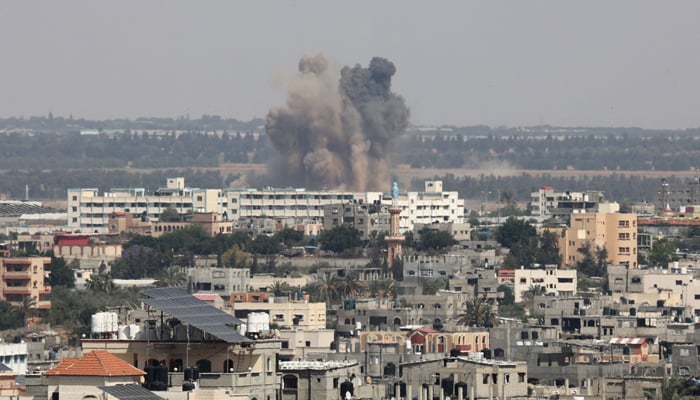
[(395, 239)]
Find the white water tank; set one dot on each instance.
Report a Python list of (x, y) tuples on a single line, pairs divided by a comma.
[(134, 332), (104, 322), (123, 332), (258, 322)]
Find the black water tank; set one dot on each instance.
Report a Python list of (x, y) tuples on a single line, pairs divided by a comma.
[(161, 373), (187, 386)]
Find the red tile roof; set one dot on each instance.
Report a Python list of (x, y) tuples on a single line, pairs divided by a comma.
[(95, 363)]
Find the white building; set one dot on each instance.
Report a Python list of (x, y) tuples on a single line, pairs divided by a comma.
[(89, 211), (14, 356), (431, 206), (556, 282)]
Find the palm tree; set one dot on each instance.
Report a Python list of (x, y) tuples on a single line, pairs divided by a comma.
[(384, 288), (280, 286), (478, 311), (27, 309), (100, 283), (326, 288), (171, 276), (671, 389), (349, 286)]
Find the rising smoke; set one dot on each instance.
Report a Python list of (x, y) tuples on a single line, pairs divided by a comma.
[(337, 133)]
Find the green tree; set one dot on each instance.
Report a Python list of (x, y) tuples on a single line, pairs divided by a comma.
[(515, 231), (671, 389), (172, 276), (548, 250), (60, 273), (349, 286), (263, 244), (10, 317), (478, 311), (383, 288), (431, 286), (508, 296), (436, 240), (235, 257), (662, 252), (100, 283), (339, 239), (289, 237), (169, 215)]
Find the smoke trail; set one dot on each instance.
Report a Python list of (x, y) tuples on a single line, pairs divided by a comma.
[(337, 131)]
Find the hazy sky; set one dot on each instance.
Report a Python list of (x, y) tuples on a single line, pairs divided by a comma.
[(602, 63)]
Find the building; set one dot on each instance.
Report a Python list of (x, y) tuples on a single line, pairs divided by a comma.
[(81, 378), (221, 281), (472, 377), (89, 211), (616, 232), (547, 202), (366, 218), (673, 196), (209, 222), (24, 277), (286, 312), (316, 380), (554, 281)]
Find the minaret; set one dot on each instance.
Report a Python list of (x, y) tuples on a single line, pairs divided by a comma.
[(395, 239)]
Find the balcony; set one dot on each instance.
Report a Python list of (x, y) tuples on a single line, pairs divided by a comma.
[(17, 290), (17, 275)]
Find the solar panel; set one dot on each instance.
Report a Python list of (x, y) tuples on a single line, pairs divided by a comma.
[(189, 309), (130, 392)]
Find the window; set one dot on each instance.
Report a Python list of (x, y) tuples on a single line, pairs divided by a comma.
[(521, 377), (285, 344), (308, 343)]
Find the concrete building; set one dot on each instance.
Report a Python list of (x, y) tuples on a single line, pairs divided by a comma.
[(555, 281), (547, 202), (316, 380), (284, 312), (24, 277), (616, 232), (14, 357), (89, 211), (472, 377), (222, 281), (366, 218), (673, 196)]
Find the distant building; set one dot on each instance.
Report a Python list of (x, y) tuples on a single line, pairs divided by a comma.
[(616, 232), (554, 281), (673, 196), (547, 202), (23, 277)]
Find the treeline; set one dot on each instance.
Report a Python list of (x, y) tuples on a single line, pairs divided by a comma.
[(63, 125), (673, 152), (135, 150), (616, 187), (52, 184)]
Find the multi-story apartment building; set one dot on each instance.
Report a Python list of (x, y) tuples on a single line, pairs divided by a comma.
[(616, 232), (431, 206), (675, 195), (555, 281), (24, 277), (363, 217), (547, 202), (88, 211)]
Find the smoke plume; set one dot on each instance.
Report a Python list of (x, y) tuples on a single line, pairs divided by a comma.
[(337, 133)]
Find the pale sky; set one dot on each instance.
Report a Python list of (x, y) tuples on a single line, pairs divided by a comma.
[(515, 63)]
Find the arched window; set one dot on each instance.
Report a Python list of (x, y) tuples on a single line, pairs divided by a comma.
[(204, 365)]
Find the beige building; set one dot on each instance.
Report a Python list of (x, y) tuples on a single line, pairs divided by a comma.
[(23, 277), (609, 229), (555, 281), (283, 312), (305, 344)]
